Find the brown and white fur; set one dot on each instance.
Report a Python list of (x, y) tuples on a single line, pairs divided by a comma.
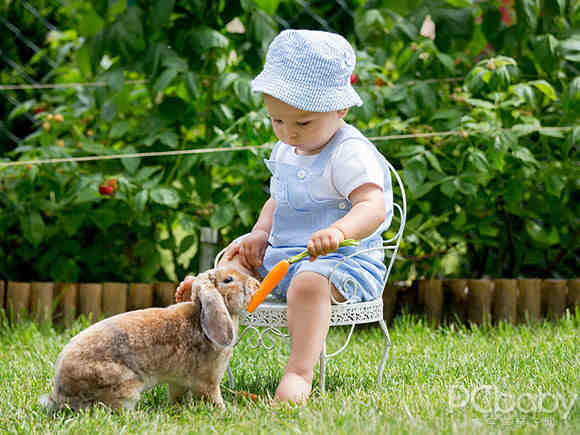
[(186, 345)]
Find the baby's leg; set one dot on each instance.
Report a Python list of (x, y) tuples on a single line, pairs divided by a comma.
[(308, 321)]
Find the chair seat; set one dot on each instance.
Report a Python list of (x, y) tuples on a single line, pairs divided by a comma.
[(273, 314)]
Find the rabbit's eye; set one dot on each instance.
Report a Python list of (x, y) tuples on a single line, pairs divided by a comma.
[(228, 279)]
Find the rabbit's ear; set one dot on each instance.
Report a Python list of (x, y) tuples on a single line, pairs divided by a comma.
[(215, 318)]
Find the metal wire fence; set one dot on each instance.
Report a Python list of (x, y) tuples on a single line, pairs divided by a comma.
[(22, 45)]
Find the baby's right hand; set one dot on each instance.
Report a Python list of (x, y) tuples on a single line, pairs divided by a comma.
[(252, 249), (183, 291)]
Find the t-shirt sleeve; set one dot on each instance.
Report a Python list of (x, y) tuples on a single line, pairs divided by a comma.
[(354, 164)]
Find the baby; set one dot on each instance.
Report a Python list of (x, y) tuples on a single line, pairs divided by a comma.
[(328, 183)]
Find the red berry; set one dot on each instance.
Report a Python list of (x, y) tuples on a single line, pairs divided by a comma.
[(379, 82), (353, 79), (106, 190), (112, 182)]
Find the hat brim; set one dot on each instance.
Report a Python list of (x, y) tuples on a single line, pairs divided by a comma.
[(305, 97)]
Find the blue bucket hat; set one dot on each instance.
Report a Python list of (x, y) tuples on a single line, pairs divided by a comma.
[(309, 70)]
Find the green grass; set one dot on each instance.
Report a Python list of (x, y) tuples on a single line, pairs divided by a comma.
[(522, 364)]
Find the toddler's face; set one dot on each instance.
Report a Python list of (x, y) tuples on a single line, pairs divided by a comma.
[(307, 132)]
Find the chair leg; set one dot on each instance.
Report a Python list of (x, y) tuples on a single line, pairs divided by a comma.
[(322, 362), (385, 353)]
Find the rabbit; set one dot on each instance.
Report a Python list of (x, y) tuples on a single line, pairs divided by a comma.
[(186, 345)]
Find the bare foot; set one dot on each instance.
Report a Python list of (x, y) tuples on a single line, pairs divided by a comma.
[(293, 389)]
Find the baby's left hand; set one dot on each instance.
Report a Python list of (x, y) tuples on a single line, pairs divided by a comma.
[(324, 241)]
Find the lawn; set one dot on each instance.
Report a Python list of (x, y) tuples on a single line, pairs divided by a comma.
[(508, 379)]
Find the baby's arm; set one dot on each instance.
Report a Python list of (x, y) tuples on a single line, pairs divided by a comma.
[(366, 215), (252, 248)]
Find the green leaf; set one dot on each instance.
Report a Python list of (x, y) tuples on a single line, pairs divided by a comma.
[(109, 110), (71, 223), (488, 230), (130, 163), (164, 80), (141, 201), (169, 138), (205, 38), (191, 83), (478, 159), (414, 173), (268, 6), (64, 270), (524, 154), (33, 228), (90, 23), (527, 12), (541, 235), (161, 13), (546, 88), (545, 48), (104, 218), (222, 216), (446, 61), (554, 184), (465, 187), (119, 129), (187, 243), (570, 49), (165, 196), (432, 159), (83, 58)]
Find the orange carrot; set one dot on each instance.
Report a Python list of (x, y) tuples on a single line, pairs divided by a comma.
[(278, 272), (272, 279)]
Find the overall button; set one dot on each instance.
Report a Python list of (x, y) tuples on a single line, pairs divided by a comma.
[(342, 205), (301, 174)]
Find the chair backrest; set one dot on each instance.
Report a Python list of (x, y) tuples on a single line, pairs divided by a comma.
[(389, 245)]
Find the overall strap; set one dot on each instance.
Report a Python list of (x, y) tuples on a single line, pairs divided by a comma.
[(320, 163)]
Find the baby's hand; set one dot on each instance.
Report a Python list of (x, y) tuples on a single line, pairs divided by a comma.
[(183, 291), (253, 248), (324, 241)]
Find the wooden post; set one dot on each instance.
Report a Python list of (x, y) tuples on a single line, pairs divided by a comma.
[(140, 296), (458, 289), (407, 297), (208, 248), (67, 293), (479, 301), (114, 298), (42, 297), (505, 300), (432, 296), (165, 293), (90, 300), (554, 294), (529, 299), (389, 301), (574, 293), (18, 299)]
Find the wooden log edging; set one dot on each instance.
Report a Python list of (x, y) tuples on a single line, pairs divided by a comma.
[(469, 301)]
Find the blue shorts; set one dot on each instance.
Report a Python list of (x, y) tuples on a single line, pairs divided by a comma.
[(358, 278)]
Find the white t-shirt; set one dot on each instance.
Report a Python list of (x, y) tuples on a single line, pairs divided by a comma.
[(351, 165)]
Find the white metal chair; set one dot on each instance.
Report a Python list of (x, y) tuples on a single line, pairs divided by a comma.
[(271, 315)]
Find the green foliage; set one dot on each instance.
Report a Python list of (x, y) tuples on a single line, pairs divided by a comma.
[(498, 197)]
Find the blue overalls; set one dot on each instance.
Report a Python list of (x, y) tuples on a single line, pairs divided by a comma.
[(299, 214)]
